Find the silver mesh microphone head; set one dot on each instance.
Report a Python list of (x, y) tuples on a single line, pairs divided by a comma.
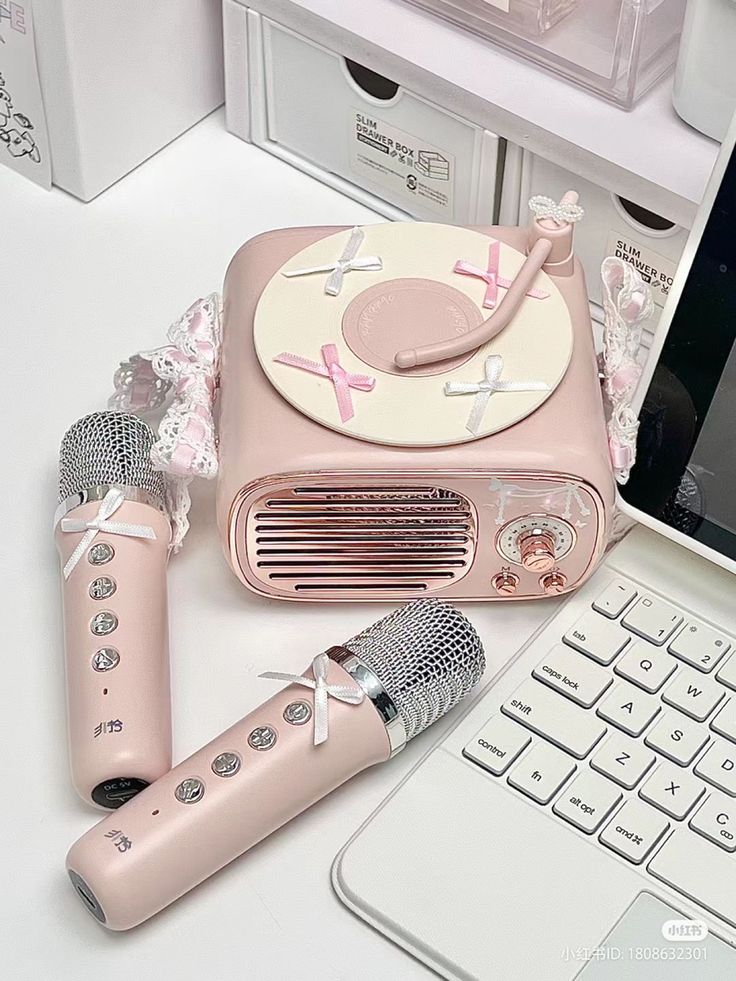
[(426, 655), (108, 448)]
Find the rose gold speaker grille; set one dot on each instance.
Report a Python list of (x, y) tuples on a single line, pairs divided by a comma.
[(411, 540)]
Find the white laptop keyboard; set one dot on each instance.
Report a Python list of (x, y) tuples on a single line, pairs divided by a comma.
[(627, 730)]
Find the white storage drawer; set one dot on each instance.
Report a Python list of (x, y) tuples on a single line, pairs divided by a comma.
[(612, 226), (359, 131)]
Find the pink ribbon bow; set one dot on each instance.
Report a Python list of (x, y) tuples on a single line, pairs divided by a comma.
[(341, 379), (491, 277)]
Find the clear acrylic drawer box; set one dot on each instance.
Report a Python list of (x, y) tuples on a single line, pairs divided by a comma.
[(616, 48)]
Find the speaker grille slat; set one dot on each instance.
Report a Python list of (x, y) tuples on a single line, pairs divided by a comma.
[(362, 538)]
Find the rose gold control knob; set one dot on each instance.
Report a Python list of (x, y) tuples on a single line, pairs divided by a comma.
[(553, 583), (537, 549), (505, 583)]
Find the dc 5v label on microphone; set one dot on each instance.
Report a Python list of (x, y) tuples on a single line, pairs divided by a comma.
[(416, 172)]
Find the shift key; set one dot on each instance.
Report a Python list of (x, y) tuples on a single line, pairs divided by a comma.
[(554, 717)]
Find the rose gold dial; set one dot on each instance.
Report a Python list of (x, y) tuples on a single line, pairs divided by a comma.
[(505, 583), (537, 550), (553, 582)]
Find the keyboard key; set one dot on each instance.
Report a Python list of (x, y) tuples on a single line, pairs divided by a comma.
[(677, 737), (673, 790), (634, 830), (542, 772), (718, 766), (549, 715), (628, 708), (615, 598), (601, 639), (727, 674), (573, 675), (716, 820), (725, 722), (647, 666), (497, 745), (653, 619), (623, 760), (695, 868), (588, 801), (696, 694), (700, 646)]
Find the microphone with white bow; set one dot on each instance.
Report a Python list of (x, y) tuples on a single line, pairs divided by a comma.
[(356, 705), (112, 531)]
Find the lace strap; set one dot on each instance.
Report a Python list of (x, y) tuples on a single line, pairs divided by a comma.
[(185, 373), (627, 303)]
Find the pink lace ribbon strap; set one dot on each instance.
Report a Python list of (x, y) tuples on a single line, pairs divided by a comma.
[(189, 367), (627, 303), (341, 379), (492, 278)]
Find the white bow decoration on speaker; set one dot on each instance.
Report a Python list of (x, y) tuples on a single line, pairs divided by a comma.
[(563, 212), (347, 261), (483, 390), (108, 506), (322, 692), (190, 364)]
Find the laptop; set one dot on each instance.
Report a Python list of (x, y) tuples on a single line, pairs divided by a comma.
[(579, 820)]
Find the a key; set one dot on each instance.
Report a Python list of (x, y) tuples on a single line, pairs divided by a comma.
[(699, 645), (548, 714), (573, 675), (653, 619), (647, 666), (725, 722), (716, 820), (718, 766), (673, 790), (695, 694), (497, 745), (727, 674), (628, 708), (677, 737), (634, 830), (588, 801), (597, 637), (542, 772), (692, 866), (623, 760), (615, 598)]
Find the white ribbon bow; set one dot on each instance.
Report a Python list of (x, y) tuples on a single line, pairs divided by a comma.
[(346, 262), (322, 692), (484, 389), (563, 213), (108, 506)]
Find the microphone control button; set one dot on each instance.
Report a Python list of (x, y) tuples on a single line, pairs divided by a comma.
[(103, 623), (297, 713), (100, 553), (190, 791), (105, 659), (102, 588), (262, 738), (226, 764)]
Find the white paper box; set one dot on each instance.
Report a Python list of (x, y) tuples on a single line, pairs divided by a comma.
[(387, 146), (121, 79)]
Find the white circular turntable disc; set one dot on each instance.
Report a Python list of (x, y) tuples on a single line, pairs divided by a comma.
[(415, 298)]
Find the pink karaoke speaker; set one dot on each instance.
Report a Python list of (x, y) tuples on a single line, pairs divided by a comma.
[(411, 409)]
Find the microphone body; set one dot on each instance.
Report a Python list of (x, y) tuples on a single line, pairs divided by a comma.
[(115, 609), (357, 705), (176, 845)]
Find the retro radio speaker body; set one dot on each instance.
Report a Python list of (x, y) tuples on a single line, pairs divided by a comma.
[(411, 409)]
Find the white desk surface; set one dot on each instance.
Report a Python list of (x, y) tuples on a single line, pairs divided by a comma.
[(81, 287)]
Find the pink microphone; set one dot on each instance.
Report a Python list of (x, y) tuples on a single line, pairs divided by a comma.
[(356, 705), (112, 531)]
